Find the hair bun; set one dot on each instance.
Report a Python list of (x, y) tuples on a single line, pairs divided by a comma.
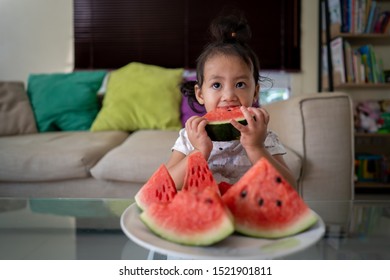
[(230, 28)]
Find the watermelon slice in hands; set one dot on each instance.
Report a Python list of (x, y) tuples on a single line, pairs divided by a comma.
[(159, 188), (191, 218), (265, 205), (219, 127)]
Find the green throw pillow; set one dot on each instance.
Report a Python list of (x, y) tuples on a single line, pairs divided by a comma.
[(141, 96), (65, 101)]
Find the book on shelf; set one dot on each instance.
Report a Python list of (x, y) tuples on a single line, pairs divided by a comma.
[(357, 17), (338, 63), (373, 65), (382, 22), (335, 17), (371, 11), (352, 65), (366, 54)]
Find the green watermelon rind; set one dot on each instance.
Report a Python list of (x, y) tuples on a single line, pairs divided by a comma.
[(204, 238), (305, 221), (224, 130), (138, 201)]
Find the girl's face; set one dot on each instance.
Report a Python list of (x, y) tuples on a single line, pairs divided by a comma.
[(228, 81)]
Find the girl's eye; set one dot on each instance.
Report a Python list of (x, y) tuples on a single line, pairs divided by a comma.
[(216, 86), (240, 85)]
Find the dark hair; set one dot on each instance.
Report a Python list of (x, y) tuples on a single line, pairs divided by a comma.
[(230, 35)]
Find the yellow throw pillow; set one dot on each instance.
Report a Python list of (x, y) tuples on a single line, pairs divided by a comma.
[(141, 96)]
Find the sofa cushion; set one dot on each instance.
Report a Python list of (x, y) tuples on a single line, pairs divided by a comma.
[(54, 155), (137, 158), (144, 151), (141, 96), (320, 131), (16, 114), (65, 101), (294, 162)]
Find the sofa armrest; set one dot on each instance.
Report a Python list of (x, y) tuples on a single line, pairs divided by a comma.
[(319, 128)]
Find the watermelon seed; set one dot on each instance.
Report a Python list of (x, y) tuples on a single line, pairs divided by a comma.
[(278, 180), (279, 203), (209, 200), (243, 193), (261, 202)]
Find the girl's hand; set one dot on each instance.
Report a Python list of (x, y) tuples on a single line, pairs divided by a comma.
[(254, 133), (195, 127)]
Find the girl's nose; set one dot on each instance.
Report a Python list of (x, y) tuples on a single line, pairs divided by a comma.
[(229, 94)]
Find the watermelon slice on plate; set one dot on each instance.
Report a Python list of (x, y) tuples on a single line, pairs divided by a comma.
[(265, 205), (198, 175), (191, 218), (219, 127), (159, 188)]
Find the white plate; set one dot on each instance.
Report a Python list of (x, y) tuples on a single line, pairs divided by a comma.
[(234, 247)]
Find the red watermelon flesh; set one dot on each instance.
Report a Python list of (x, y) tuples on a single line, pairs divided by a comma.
[(265, 205), (191, 218), (198, 174), (219, 127), (159, 188), (223, 187), (222, 114)]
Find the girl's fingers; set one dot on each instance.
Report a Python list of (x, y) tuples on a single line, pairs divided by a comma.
[(192, 122), (202, 124), (195, 123), (237, 125), (260, 114), (248, 115)]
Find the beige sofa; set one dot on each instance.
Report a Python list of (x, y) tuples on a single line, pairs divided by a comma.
[(316, 129)]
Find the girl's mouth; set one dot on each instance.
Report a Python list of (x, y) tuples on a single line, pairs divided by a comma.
[(230, 106)]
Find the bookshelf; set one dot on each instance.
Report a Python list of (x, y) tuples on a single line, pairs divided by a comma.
[(354, 57)]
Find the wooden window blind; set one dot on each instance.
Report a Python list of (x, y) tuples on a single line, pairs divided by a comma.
[(172, 33)]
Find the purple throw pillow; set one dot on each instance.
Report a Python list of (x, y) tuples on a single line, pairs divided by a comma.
[(187, 112)]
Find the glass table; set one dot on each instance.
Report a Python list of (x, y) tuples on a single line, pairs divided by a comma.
[(66, 229)]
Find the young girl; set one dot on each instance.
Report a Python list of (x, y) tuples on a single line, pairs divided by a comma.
[(227, 76)]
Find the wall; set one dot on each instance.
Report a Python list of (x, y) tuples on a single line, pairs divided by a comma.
[(306, 81), (37, 37)]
